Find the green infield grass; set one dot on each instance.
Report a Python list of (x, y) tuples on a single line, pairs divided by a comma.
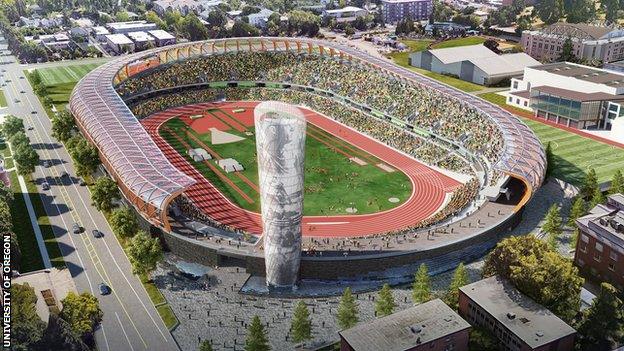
[(332, 182)]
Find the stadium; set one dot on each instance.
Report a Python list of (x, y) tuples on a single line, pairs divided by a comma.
[(399, 169)]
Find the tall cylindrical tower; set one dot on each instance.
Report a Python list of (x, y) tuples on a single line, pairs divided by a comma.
[(280, 143)]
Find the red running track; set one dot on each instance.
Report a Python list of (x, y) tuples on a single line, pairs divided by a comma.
[(429, 187)]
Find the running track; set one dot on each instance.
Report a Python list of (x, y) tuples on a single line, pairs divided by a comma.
[(429, 187)]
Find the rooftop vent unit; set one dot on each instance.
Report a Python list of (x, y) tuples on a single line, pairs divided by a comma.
[(603, 221), (524, 320), (511, 315), (539, 333), (415, 329)]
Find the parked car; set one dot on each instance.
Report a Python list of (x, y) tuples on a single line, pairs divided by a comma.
[(64, 174), (33, 112), (46, 164), (76, 228), (104, 289), (82, 182), (97, 234), (45, 186)]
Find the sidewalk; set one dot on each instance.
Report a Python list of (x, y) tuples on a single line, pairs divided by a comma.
[(33, 219)]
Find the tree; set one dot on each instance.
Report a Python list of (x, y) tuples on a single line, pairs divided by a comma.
[(552, 225), (85, 156), (19, 139), (597, 198), (538, 272), (617, 183), (550, 162), (124, 222), (205, 346), (6, 223), (385, 302), (580, 11), (567, 51), (611, 8), (60, 336), (243, 29), (11, 126), (550, 11), (603, 322), (301, 326), (482, 339), (82, 312), (103, 192), (63, 126), (347, 310), (191, 28), (152, 17), (144, 252), (217, 18), (26, 159), (589, 184), (577, 210), (492, 45), (421, 289), (303, 23), (27, 326), (256, 336), (460, 278)]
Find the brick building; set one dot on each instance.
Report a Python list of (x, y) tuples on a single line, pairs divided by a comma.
[(516, 320), (394, 11), (431, 326), (589, 42), (600, 246)]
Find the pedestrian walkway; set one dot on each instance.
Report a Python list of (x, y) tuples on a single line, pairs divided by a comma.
[(33, 219)]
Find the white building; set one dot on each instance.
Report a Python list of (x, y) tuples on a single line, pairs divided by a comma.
[(142, 40), (100, 33), (260, 19), (162, 37), (185, 6), (569, 94), (345, 14), (474, 63), (119, 43), (131, 26)]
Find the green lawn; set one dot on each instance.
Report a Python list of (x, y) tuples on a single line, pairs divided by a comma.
[(167, 315), (401, 59), (459, 42), (573, 154), (60, 82), (31, 258), (65, 74), (332, 182), (3, 101)]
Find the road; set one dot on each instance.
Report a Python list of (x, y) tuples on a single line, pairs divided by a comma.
[(130, 321)]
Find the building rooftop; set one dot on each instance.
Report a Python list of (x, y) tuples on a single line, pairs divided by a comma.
[(577, 95), (119, 39), (400, 1), (140, 36), (99, 30), (528, 320), (161, 34), (486, 59), (585, 73), (118, 26), (405, 329), (607, 221), (345, 10)]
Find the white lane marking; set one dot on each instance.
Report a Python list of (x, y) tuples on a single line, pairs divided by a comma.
[(124, 331), (326, 223)]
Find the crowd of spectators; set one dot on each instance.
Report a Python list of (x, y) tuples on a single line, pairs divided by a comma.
[(415, 104)]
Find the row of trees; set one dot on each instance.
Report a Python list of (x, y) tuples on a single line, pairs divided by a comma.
[(6, 224), (71, 328), (577, 11), (24, 155)]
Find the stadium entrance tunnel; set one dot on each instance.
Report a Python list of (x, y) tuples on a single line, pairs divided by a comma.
[(514, 192)]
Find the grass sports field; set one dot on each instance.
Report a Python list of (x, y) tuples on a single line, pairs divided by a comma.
[(332, 182), (573, 154), (3, 101), (60, 81)]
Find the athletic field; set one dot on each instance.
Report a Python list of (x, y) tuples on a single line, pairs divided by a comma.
[(574, 154), (60, 81), (333, 183)]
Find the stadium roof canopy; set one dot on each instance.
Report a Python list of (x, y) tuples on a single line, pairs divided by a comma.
[(143, 169)]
